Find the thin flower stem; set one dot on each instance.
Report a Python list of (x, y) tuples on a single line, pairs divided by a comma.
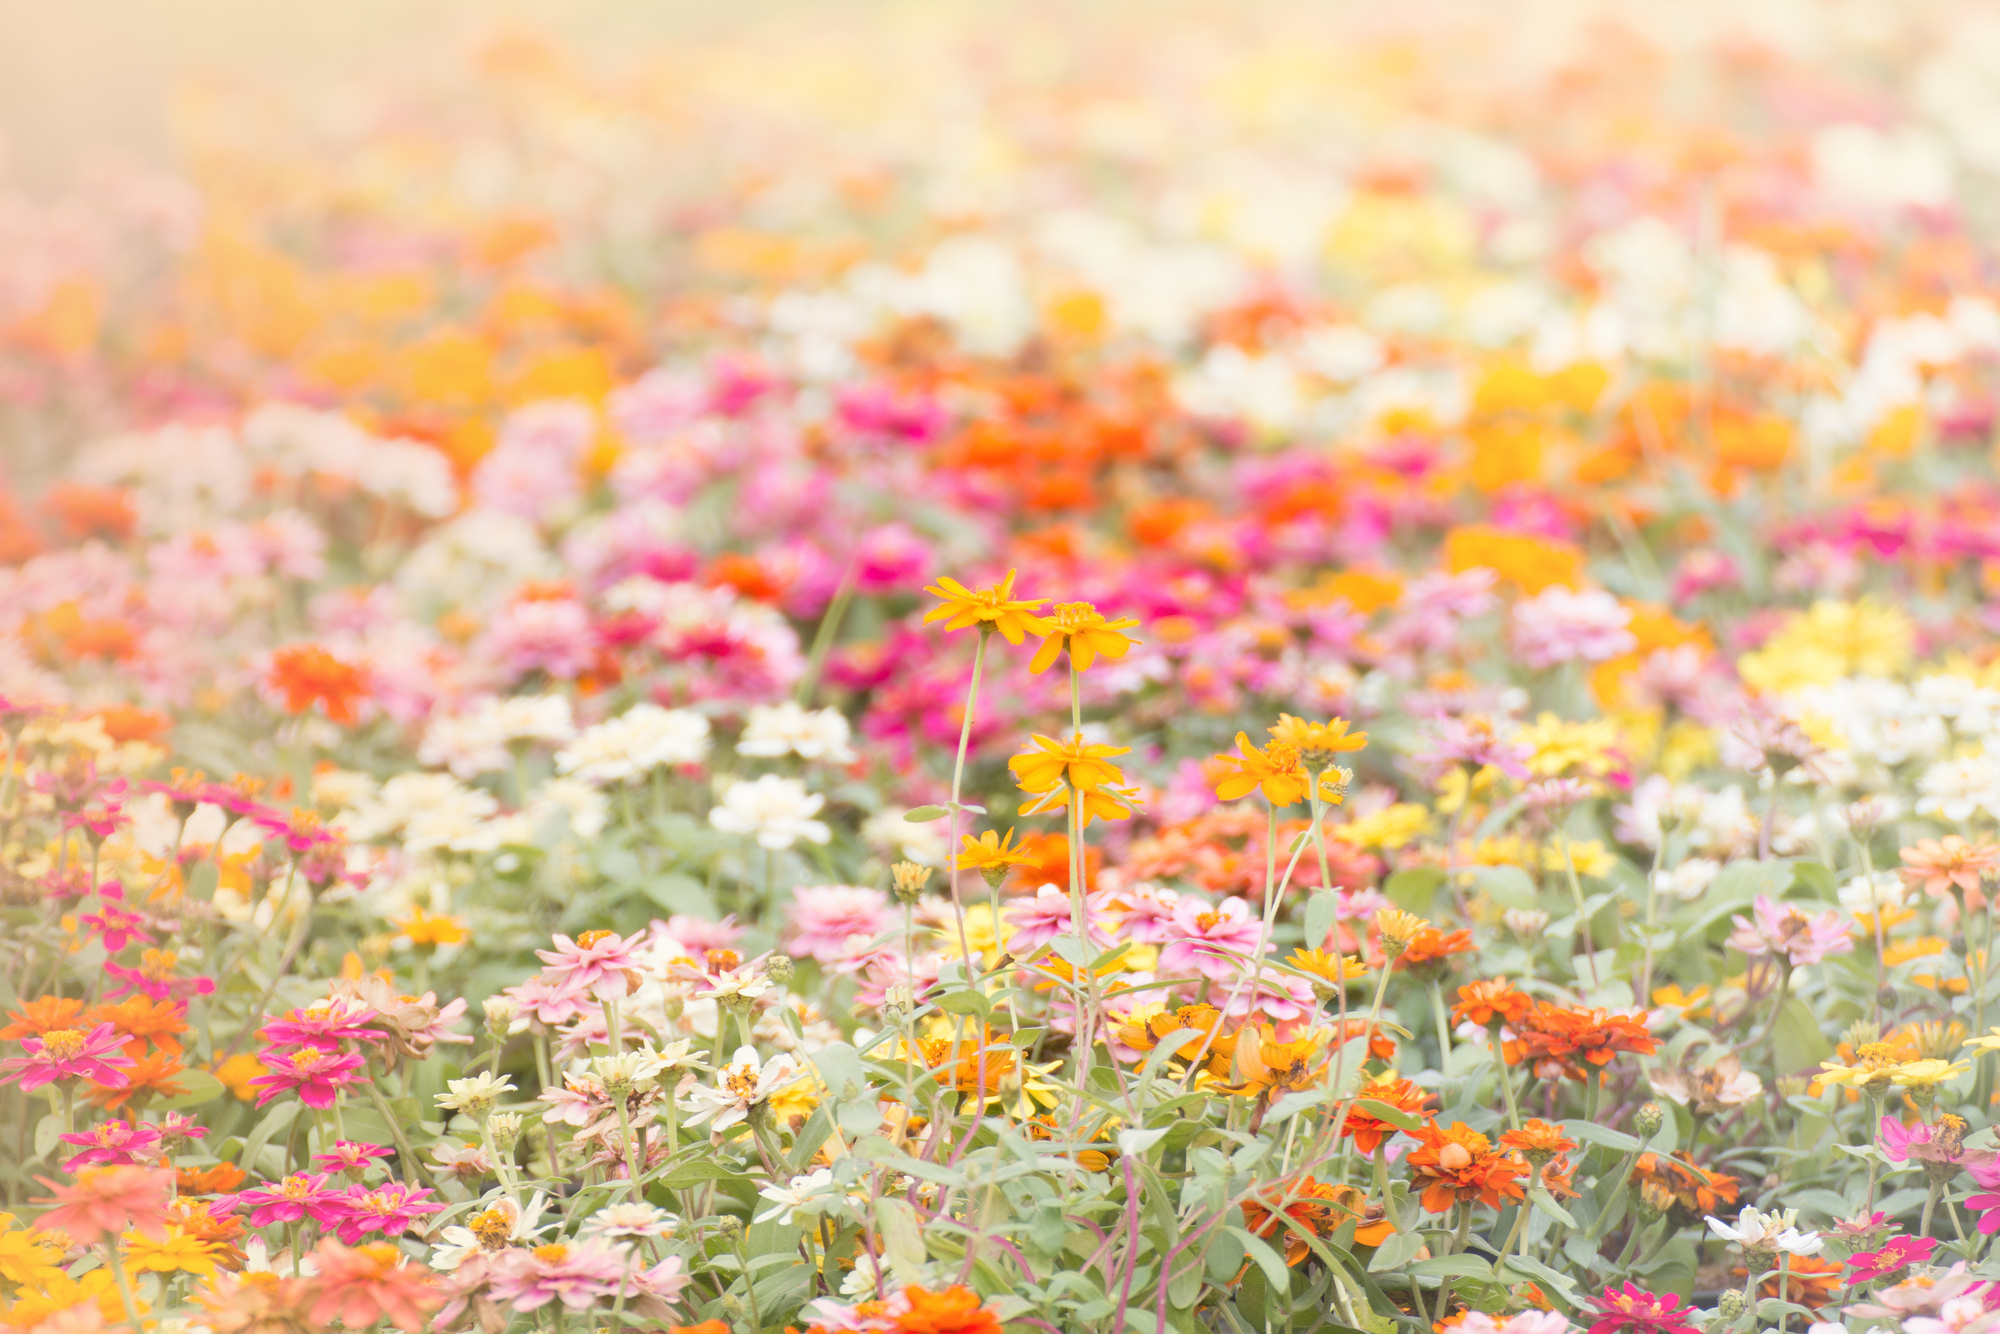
[(957, 787), (124, 1282)]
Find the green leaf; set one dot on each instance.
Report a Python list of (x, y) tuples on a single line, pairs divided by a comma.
[(1555, 1285), (925, 814), (678, 894), (1814, 879), (1396, 1250), (1273, 1264), (1797, 1042), (279, 1119), (1413, 889), (1603, 1136), (1453, 1266), (48, 1134), (201, 1086), (1547, 1204), (1508, 886), (1320, 914), (1390, 1113), (902, 1237), (964, 1001)]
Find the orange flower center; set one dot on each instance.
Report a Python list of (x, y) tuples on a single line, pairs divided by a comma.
[(493, 1228), (553, 1254), (590, 938), (1454, 1157), (721, 961), (1208, 920)]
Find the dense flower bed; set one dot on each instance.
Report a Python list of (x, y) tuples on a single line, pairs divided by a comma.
[(1278, 683)]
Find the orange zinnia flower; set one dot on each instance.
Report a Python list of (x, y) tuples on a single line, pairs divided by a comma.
[(216, 1180), (1432, 946), (1681, 1190), (1321, 1208), (1940, 865), (43, 1016), (1399, 1093), (152, 1074), (1489, 1003), (1275, 770), (306, 673), (1553, 1037), (1538, 1141), (1082, 629), (955, 1310), (142, 1019), (1317, 744), (1461, 1164), (1381, 1042)]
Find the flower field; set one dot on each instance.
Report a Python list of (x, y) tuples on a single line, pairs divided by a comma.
[(937, 672)]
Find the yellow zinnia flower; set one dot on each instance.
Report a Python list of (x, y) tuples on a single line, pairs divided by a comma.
[(995, 607), (991, 852), (1082, 629), (176, 1252), (1053, 763), (1927, 1074), (430, 929), (28, 1258)]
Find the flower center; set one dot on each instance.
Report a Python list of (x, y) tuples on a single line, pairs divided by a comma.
[(721, 961), (553, 1254), (1208, 921), (1454, 1157), (589, 939), (741, 1082), (296, 1188), (62, 1043), (493, 1228)]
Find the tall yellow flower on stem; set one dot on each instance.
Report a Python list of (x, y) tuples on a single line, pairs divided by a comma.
[(1317, 744), (993, 855), (1082, 629), (1276, 771), (994, 608)]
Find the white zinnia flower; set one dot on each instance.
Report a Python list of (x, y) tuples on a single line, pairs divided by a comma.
[(774, 729), (777, 810), (631, 745), (801, 1196), (586, 809), (1959, 789), (1755, 1231), (1688, 881), (1872, 893), (739, 1086)]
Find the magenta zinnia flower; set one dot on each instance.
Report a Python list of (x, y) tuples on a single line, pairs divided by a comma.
[(67, 1053), (322, 1026), (389, 1208), (115, 924), (289, 1201), (1893, 1255), (1782, 930), (317, 1076), (349, 1156), (113, 1144), (576, 1273), (1633, 1310)]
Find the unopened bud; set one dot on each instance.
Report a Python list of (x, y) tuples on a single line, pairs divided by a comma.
[(728, 1227), (779, 968), (1644, 1211), (673, 1007), (1648, 1119), (907, 881), (500, 1012), (1731, 1304), (506, 1129), (898, 1000)]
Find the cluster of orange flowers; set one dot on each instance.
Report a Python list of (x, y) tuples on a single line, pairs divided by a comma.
[(1561, 1042)]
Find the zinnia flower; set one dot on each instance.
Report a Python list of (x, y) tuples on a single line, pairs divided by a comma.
[(777, 811), (109, 1199), (1632, 1310), (1782, 930), (69, 1053), (993, 607), (316, 1076), (1082, 629)]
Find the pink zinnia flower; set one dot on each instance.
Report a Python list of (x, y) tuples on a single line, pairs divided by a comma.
[(370, 1283), (886, 969), (547, 1005), (1144, 913), (698, 935), (1782, 930), (68, 1053), (1283, 1000), (824, 917), (602, 963), (317, 1076), (1473, 743), (109, 1199), (115, 924), (389, 1208), (1037, 921), (576, 1273), (1895, 1254), (1197, 936), (1561, 625), (113, 1143), (292, 1199), (1633, 1310), (351, 1157), (159, 977), (322, 1027)]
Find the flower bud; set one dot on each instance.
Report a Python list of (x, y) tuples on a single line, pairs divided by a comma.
[(779, 968), (500, 1012), (1732, 1304), (907, 881), (898, 1000), (728, 1227), (505, 1128), (673, 1007), (1648, 1120)]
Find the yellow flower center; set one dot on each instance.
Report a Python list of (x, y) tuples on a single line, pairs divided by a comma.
[(493, 1228), (590, 938), (553, 1254), (62, 1043)]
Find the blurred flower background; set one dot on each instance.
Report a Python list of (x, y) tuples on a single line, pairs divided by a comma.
[(925, 667)]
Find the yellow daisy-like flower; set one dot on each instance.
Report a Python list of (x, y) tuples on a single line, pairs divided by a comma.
[(992, 852), (1561, 747), (1928, 1074), (997, 607), (1052, 763), (1317, 743), (1277, 772), (431, 929), (175, 1252), (1589, 856), (1395, 827), (28, 1258), (1991, 1042), (1875, 1066), (1397, 928), (1082, 629), (1332, 969)]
